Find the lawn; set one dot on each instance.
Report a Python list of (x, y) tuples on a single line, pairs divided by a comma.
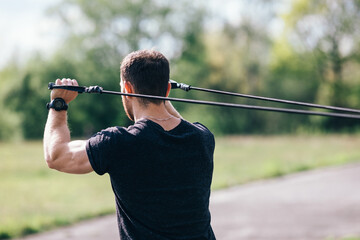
[(34, 198), (243, 159)]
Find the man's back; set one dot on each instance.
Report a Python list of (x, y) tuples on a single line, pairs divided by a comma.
[(161, 179)]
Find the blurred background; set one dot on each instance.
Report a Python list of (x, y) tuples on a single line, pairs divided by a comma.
[(302, 50)]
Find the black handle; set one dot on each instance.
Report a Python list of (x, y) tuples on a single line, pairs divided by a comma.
[(182, 86), (78, 89)]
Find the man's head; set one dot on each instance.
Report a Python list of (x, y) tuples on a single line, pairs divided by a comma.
[(148, 73)]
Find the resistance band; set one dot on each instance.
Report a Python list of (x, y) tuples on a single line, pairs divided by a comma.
[(185, 87)]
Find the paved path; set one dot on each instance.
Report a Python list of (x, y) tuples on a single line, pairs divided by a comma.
[(320, 204)]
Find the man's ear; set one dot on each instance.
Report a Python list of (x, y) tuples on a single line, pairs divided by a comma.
[(168, 89), (128, 87)]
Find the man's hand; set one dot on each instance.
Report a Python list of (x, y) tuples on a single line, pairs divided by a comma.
[(67, 95)]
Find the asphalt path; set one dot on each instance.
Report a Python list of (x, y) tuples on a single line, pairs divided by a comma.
[(318, 204)]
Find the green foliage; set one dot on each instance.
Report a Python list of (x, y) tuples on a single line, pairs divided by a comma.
[(10, 122), (10, 125), (99, 35), (239, 68), (326, 34), (315, 58), (114, 29)]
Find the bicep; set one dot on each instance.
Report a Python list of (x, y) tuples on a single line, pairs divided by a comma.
[(74, 158)]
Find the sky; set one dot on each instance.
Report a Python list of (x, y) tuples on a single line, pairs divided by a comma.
[(25, 28)]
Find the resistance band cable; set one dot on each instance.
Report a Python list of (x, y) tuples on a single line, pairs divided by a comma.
[(100, 90), (187, 88)]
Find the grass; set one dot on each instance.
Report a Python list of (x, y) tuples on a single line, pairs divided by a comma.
[(34, 198), (247, 158)]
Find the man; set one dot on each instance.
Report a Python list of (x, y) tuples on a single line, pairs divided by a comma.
[(160, 167)]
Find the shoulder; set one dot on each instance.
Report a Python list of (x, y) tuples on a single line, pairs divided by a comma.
[(106, 132), (201, 129), (198, 127), (107, 136), (116, 133)]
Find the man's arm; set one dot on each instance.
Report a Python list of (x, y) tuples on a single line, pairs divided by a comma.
[(60, 152)]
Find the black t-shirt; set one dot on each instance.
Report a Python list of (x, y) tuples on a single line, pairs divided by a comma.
[(161, 179)]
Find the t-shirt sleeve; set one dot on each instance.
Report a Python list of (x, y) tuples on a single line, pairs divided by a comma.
[(209, 136), (99, 149)]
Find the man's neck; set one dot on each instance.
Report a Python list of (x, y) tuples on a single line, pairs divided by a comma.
[(156, 113)]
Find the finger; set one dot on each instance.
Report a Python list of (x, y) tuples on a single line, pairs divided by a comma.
[(75, 83), (58, 82), (65, 81)]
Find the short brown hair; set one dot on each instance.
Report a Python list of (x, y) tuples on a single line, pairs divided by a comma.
[(148, 71)]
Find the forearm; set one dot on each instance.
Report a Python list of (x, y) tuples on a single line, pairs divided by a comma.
[(56, 135), (60, 152)]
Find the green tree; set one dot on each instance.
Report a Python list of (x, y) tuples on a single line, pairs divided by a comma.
[(291, 76), (327, 33), (27, 95), (10, 121), (98, 34), (237, 56)]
